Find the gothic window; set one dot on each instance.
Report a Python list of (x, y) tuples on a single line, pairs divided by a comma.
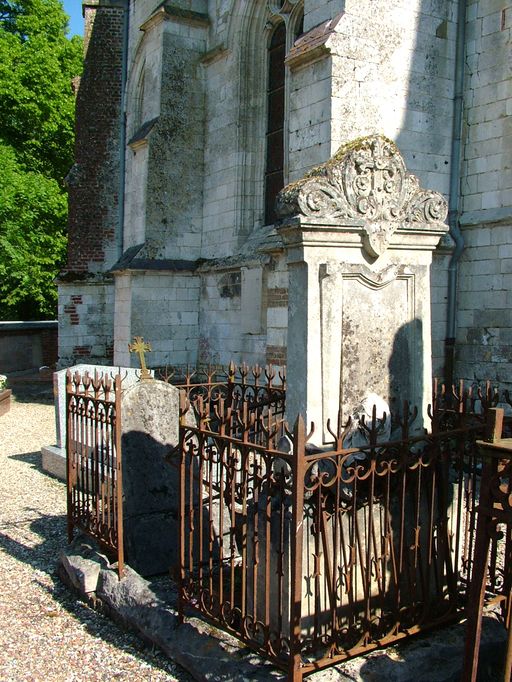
[(274, 179), (284, 34)]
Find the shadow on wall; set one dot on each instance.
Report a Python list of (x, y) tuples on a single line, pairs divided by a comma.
[(406, 367), (425, 136)]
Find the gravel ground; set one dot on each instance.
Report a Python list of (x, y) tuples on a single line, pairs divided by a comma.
[(45, 632)]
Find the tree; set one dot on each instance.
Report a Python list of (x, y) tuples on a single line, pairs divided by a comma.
[(37, 64)]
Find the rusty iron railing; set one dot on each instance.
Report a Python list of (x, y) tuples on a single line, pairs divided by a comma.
[(494, 521), (312, 557), (94, 467), (238, 383), (94, 454)]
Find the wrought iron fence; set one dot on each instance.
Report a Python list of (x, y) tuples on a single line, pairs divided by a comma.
[(94, 453), (494, 514), (309, 555), (226, 398), (312, 556), (94, 460)]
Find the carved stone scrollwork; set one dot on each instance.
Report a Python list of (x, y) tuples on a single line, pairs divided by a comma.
[(365, 183)]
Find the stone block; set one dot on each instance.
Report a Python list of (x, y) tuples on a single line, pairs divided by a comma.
[(150, 431), (82, 562), (53, 461)]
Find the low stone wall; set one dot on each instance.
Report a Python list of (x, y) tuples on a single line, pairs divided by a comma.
[(27, 345)]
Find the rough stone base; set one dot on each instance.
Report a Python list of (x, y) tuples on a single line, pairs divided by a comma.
[(53, 460), (149, 608)]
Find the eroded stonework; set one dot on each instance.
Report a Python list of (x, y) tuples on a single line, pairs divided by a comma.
[(365, 183)]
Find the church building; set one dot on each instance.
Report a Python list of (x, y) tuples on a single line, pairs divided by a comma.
[(199, 121)]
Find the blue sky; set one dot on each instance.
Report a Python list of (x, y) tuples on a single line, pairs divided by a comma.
[(73, 8)]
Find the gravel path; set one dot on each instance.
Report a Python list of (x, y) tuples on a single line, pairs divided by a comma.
[(45, 633)]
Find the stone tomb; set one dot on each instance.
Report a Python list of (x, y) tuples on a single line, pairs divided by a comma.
[(150, 430), (359, 233)]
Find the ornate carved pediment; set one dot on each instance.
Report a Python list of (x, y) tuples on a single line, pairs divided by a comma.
[(366, 184)]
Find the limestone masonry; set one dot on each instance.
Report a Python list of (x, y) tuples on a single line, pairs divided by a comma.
[(207, 132)]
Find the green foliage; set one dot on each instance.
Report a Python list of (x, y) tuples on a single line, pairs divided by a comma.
[(37, 63), (32, 240)]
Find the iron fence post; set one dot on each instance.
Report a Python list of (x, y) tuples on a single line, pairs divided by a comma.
[(298, 468), (486, 524), (119, 476), (181, 495), (69, 463)]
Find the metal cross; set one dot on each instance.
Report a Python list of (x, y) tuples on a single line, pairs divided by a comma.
[(140, 347)]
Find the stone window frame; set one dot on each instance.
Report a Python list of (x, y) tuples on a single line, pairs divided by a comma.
[(138, 132), (258, 25), (291, 13)]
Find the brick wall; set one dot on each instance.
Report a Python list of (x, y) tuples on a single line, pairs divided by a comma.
[(94, 179)]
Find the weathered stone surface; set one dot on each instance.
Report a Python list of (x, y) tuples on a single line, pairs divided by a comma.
[(82, 562), (366, 183), (150, 420), (151, 541)]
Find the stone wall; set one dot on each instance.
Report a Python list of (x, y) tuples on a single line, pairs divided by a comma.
[(165, 120), (231, 317), (439, 295), (86, 329), (484, 316), (27, 345), (162, 307)]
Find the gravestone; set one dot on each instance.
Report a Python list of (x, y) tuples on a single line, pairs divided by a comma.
[(150, 430), (54, 456)]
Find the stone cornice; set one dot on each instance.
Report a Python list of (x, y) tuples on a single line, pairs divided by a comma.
[(104, 4), (215, 54), (141, 136), (168, 12), (312, 45), (300, 231), (486, 216)]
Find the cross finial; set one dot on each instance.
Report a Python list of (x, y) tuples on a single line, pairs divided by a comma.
[(140, 347)]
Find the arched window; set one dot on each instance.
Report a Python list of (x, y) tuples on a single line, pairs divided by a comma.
[(274, 167), (284, 34)]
